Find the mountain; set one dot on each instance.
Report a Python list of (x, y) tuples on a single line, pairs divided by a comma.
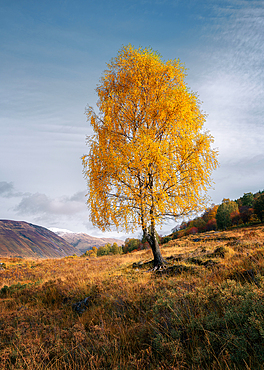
[(19, 238), (84, 242)]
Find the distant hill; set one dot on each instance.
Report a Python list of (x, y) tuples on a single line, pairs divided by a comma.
[(84, 242), (19, 238)]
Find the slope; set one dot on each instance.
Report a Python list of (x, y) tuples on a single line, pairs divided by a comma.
[(19, 238), (84, 242)]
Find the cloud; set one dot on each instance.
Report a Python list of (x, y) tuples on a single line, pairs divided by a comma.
[(7, 190), (238, 176), (39, 204), (78, 197), (68, 211)]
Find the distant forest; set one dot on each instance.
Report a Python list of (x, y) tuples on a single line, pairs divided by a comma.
[(246, 210)]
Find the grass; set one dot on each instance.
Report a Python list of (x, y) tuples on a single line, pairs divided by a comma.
[(205, 311)]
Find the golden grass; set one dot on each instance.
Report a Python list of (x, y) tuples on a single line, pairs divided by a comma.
[(204, 312)]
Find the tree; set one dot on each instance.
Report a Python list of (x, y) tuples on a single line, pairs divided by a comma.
[(149, 158), (210, 213), (235, 217), (259, 206), (224, 211), (198, 223), (246, 213), (115, 249), (247, 199), (131, 244), (90, 253), (94, 249), (104, 250), (211, 225)]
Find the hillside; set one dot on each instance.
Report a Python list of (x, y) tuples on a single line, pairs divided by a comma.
[(19, 238), (204, 311), (84, 242)]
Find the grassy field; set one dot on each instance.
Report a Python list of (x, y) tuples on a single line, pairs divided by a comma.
[(204, 311)]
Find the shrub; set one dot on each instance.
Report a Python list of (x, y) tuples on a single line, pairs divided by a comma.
[(211, 225), (224, 322), (192, 230), (165, 239)]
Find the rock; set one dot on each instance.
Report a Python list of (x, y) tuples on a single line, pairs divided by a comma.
[(174, 258), (175, 270), (210, 263), (2, 266), (81, 306)]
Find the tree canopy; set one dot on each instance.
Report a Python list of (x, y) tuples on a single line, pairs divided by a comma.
[(259, 207), (149, 157), (224, 211)]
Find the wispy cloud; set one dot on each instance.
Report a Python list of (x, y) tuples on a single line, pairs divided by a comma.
[(7, 190), (37, 204)]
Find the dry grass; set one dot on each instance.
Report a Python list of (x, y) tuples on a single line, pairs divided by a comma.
[(205, 311)]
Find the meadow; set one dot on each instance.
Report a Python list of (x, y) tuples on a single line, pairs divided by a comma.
[(203, 311)]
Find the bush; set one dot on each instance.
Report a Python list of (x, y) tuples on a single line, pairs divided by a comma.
[(192, 230), (224, 322), (165, 239)]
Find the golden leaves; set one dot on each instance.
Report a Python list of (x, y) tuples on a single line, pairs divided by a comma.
[(149, 156)]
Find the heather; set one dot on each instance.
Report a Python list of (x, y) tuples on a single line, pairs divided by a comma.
[(204, 310)]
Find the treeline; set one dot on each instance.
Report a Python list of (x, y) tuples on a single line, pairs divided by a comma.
[(248, 209), (130, 245)]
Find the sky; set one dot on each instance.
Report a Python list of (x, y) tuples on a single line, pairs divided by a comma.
[(52, 55)]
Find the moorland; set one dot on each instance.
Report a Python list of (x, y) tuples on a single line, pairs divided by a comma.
[(203, 311)]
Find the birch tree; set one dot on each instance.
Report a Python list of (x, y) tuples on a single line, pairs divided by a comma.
[(150, 158)]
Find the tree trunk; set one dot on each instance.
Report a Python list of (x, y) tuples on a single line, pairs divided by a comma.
[(158, 259), (153, 242), (150, 236)]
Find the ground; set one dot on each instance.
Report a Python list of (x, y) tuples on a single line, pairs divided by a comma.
[(204, 310)]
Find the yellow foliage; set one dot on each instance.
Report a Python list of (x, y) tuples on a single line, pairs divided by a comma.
[(149, 157)]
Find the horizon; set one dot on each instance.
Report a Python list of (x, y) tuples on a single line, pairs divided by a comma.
[(52, 58)]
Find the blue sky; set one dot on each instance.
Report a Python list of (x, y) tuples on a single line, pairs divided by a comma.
[(52, 55)]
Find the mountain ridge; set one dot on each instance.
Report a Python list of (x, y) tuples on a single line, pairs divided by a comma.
[(84, 242), (26, 240)]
